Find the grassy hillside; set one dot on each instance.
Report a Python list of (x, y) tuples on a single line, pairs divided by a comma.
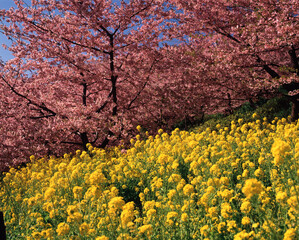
[(233, 177), (269, 108)]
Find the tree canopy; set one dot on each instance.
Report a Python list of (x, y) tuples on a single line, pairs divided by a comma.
[(90, 71)]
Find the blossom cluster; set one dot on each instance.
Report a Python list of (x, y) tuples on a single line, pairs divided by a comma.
[(237, 182)]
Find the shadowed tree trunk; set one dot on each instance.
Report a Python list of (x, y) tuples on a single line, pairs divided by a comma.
[(294, 99), (295, 110), (2, 227), (295, 86), (287, 87)]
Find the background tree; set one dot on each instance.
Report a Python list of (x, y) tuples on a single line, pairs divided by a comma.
[(252, 45)]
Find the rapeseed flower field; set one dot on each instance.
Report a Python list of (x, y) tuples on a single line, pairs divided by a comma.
[(236, 182)]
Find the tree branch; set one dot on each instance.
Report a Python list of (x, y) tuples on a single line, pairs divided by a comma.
[(105, 103), (41, 106), (45, 116), (141, 10), (142, 88), (74, 143), (226, 35), (67, 40), (84, 95), (266, 67)]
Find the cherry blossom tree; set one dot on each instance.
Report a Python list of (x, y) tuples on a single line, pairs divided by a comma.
[(83, 72), (253, 45)]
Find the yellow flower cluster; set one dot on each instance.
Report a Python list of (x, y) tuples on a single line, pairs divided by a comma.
[(252, 187), (237, 182), (280, 149)]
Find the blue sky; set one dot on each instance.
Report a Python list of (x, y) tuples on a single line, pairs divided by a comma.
[(6, 4), (4, 54)]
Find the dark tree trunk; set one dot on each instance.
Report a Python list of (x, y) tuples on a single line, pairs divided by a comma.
[(288, 86), (294, 59), (84, 96), (295, 110), (293, 99), (2, 227), (106, 140), (84, 140), (252, 103), (230, 109)]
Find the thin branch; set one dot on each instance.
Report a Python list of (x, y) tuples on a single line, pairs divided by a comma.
[(141, 10), (96, 138), (227, 35), (269, 70), (106, 31), (266, 67), (45, 116), (41, 106), (74, 143), (142, 88), (105, 103), (67, 40)]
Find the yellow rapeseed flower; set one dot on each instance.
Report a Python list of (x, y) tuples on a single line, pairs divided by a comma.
[(75, 217), (252, 186), (84, 228), (92, 192), (184, 217), (102, 238), (281, 196), (280, 149), (97, 177), (290, 234), (245, 207), (171, 216), (116, 203), (71, 209), (242, 235), (231, 225), (246, 221), (145, 229), (188, 189), (62, 229), (77, 191), (226, 210), (49, 193), (204, 230), (36, 235), (127, 214)]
